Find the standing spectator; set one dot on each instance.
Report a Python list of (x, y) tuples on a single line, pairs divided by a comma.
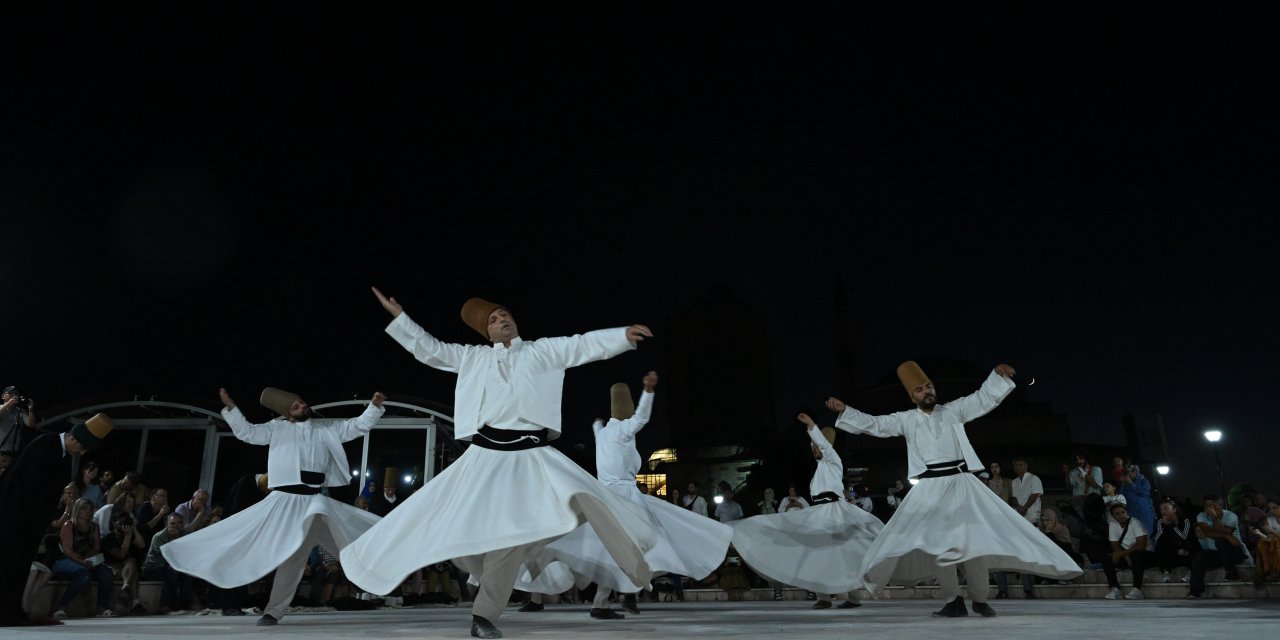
[(176, 593), (998, 483), (1110, 497), (1268, 550), (792, 501), (1128, 550), (89, 489), (152, 513), (1118, 469), (891, 499), (1174, 541), (370, 489), (692, 501), (195, 512), (17, 418), (861, 496), (81, 558), (130, 483), (1137, 494), (1220, 545), (1083, 479), (125, 550), (728, 511), (1027, 490), (768, 504)]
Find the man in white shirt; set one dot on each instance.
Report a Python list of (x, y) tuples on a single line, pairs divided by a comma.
[(1128, 551), (728, 510), (507, 405), (1027, 490), (692, 501)]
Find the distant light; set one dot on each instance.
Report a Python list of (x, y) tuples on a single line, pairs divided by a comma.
[(1162, 469), (1213, 436), (355, 473), (718, 499), (408, 479), (914, 480), (366, 474)]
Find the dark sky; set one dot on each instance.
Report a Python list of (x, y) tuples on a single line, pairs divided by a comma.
[(203, 198)]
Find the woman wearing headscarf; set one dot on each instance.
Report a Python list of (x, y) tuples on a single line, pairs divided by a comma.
[(1136, 490)]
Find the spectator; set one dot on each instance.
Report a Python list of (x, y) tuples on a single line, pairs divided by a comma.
[(17, 419), (1268, 550), (151, 514), (1094, 531), (1027, 489), (692, 501), (130, 483), (998, 483), (1137, 494), (370, 489), (792, 501), (1220, 545), (642, 488), (1128, 550), (1057, 531), (1174, 541), (62, 514), (195, 512), (89, 488), (440, 576), (361, 502), (107, 514), (728, 510), (125, 550), (768, 504), (861, 496), (891, 498), (1083, 479), (105, 480), (1110, 497), (1118, 469), (325, 573), (6, 459), (176, 593), (81, 559)]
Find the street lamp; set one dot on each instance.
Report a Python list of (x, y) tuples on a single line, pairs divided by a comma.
[(1214, 436), (1162, 469)]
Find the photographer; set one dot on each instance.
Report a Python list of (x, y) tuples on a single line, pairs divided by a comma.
[(17, 413), (125, 550)]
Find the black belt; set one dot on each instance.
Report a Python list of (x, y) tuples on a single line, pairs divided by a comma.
[(507, 440), (298, 489), (940, 469), (824, 498)]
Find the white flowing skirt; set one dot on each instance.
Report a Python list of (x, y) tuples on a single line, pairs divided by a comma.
[(688, 544), (490, 500), (820, 548), (252, 543), (946, 521)]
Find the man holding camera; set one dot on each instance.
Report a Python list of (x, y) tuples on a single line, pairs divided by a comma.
[(17, 413)]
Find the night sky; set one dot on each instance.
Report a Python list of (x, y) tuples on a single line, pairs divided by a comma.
[(204, 198)]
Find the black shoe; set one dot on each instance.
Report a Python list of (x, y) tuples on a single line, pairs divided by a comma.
[(1029, 595), (822, 604), (629, 603), (530, 607), (606, 614), (1000, 595), (227, 612), (953, 609), (481, 628), (983, 609), (267, 620), (849, 604)]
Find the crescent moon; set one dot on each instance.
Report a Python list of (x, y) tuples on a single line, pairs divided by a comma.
[(1033, 381)]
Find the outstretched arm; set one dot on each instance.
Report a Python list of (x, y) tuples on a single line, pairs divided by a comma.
[(855, 421), (562, 353), (644, 408), (425, 347), (360, 425), (244, 430), (995, 389)]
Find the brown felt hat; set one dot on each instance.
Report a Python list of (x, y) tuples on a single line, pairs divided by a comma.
[(278, 400), (621, 406), (911, 376), (91, 432), (475, 313), (830, 434), (391, 478)]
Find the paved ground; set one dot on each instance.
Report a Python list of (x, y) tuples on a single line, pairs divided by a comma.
[(747, 620)]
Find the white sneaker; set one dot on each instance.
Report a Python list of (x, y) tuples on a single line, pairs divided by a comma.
[(1135, 594), (107, 613), (1186, 578), (1166, 578), (1114, 594), (60, 614)]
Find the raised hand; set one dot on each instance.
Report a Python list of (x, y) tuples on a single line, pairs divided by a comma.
[(637, 332), (378, 398), (389, 304), (1005, 370), (804, 417), (650, 380), (835, 405), (226, 398)]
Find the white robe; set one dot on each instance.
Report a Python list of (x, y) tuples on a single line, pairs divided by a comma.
[(952, 519), (820, 548), (254, 542), (688, 544), (490, 500)]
